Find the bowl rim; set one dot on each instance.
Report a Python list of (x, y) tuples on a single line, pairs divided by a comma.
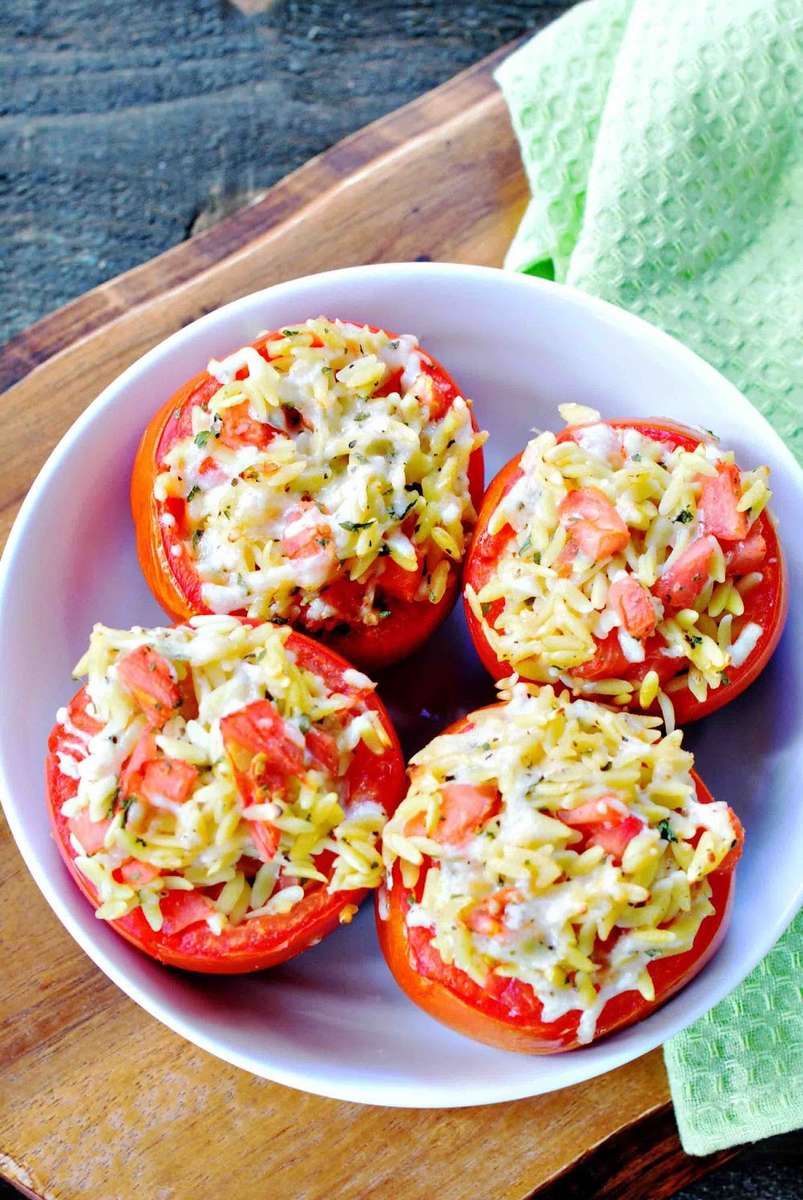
[(391, 1093)]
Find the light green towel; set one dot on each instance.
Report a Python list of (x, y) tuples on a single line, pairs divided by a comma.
[(663, 142)]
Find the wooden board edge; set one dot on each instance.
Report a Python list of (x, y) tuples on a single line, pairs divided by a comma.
[(104, 303), (617, 1168)]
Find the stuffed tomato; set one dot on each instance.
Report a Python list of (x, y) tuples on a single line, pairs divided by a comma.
[(556, 871), (631, 561), (217, 790), (326, 475)]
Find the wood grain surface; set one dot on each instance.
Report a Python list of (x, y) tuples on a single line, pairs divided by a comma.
[(96, 1098)]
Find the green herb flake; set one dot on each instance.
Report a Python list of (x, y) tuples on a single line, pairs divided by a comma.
[(304, 723), (115, 796), (202, 438), (361, 416), (665, 830), (724, 680), (193, 492), (694, 639), (355, 526), (384, 613), (197, 534), (129, 800), (684, 516), (401, 515)]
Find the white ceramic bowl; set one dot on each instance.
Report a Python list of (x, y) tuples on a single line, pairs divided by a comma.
[(334, 1021)]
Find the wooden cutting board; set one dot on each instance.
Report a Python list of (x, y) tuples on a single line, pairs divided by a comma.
[(97, 1098)]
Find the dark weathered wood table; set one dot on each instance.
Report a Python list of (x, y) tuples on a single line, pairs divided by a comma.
[(128, 128)]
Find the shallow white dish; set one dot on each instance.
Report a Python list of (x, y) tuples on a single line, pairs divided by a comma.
[(334, 1022)]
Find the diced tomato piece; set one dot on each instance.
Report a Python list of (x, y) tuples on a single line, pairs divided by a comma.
[(182, 909), (602, 810), (312, 538), (89, 833), (682, 582), (747, 555), (211, 470), (488, 916), (169, 779), (323, 749), (266, 838), (632, 602), (396, 581), (261, 752), (719, 496), (241, 429), (614, 838), (136, 872), (131, 775), (146, 675), (79, 717), (464, 808), (604, 822), (594, 527)]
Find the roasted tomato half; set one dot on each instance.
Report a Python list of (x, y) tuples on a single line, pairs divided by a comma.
[(326, 475), (557, 873), (217, 790), (640, 568)]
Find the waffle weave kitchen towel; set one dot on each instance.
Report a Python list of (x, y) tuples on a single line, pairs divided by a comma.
[(663, 143)]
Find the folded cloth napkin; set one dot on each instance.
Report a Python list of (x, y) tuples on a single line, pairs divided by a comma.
[(663, 143)]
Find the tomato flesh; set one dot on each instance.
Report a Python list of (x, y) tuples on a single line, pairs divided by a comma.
[(684, 579), (146, 675), (595, 529), (169, 779), (397, 581), (719, 498), (136, 872), (748, 554), (464, 807), (631, 601), (240, 429)]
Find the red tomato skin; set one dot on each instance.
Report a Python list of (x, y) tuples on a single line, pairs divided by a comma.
[(175, 583), (767, 603), (264, 941), (458, 1002)]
